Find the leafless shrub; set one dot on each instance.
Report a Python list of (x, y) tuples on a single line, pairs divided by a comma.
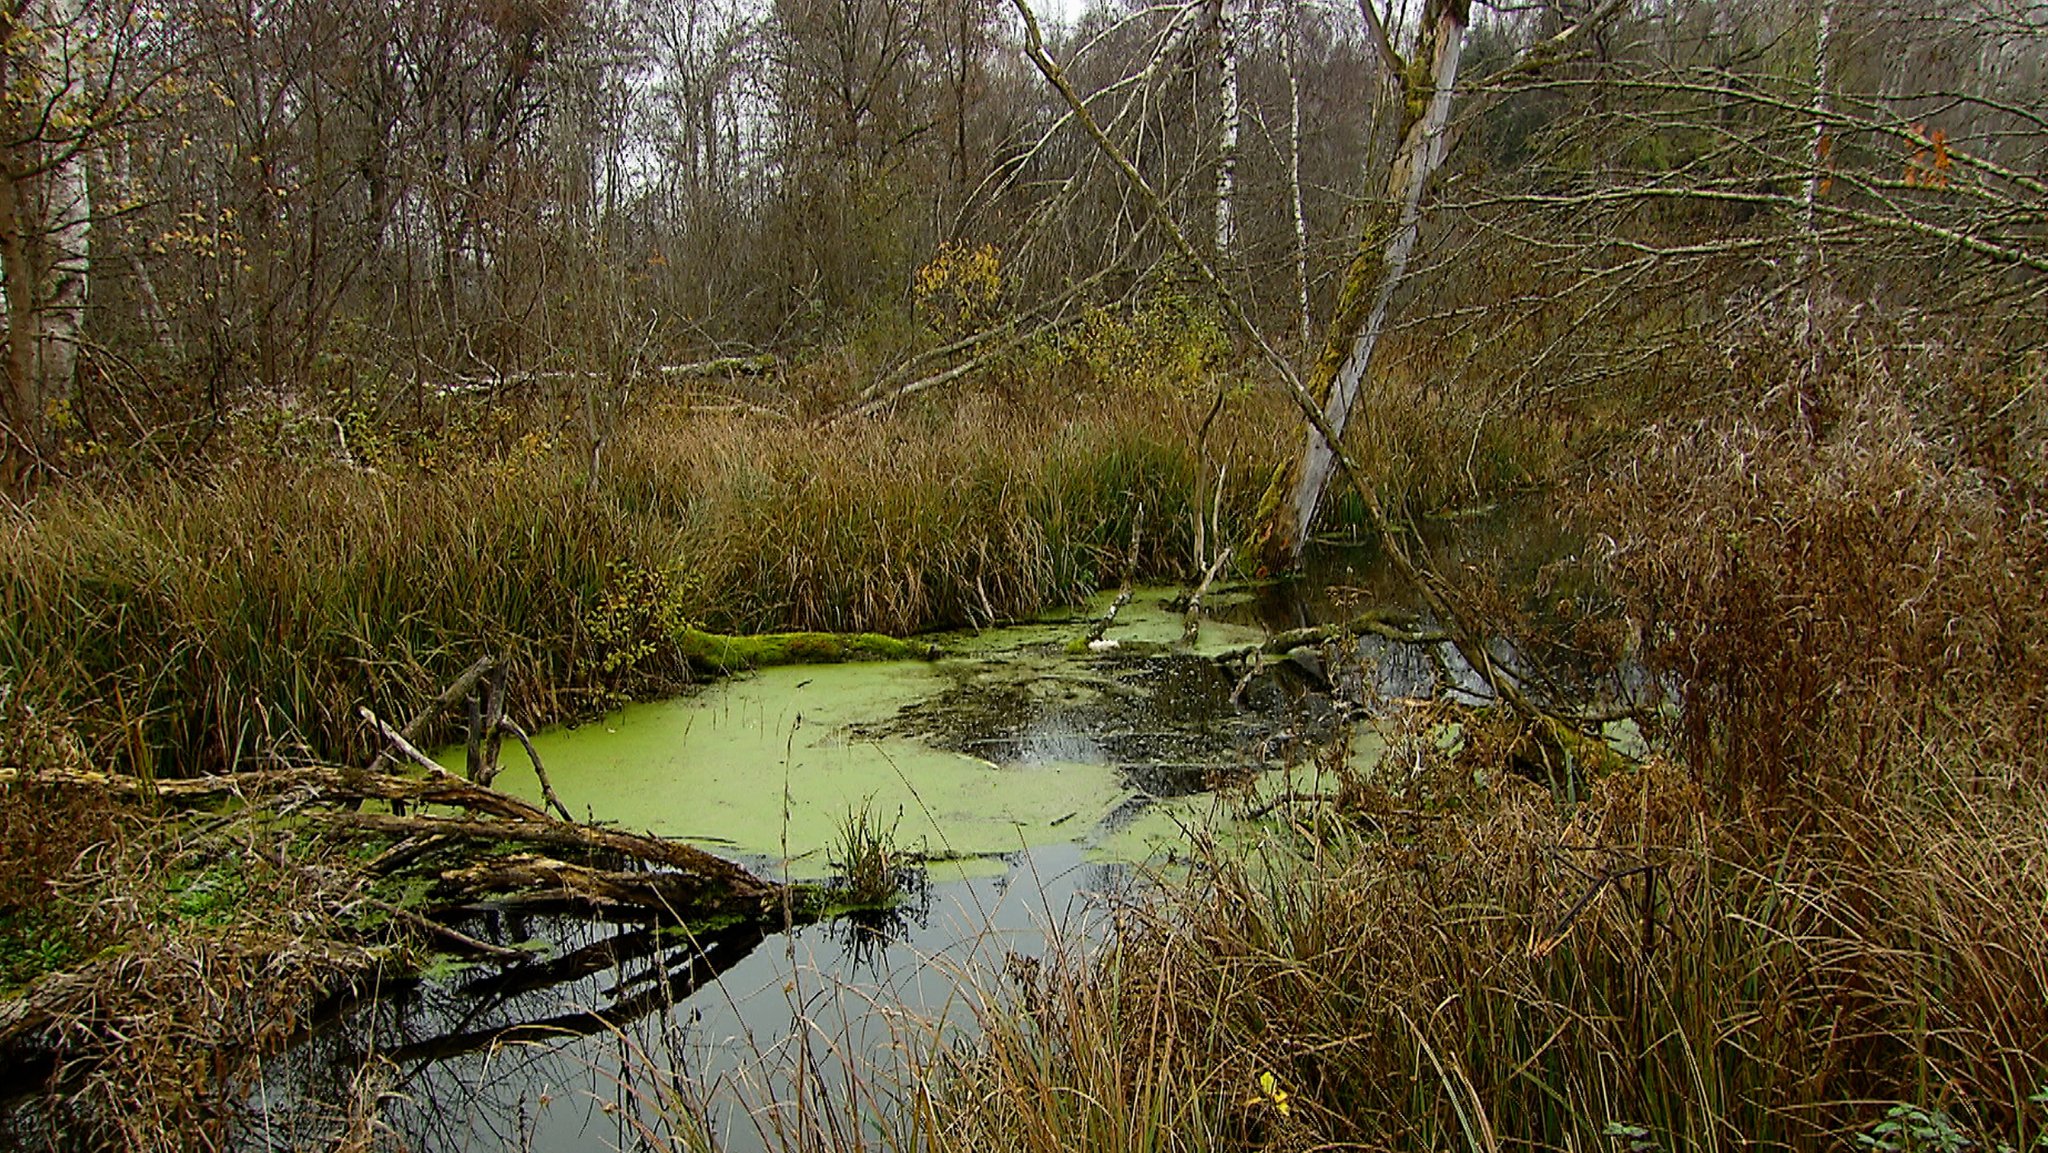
[(1839, 573)]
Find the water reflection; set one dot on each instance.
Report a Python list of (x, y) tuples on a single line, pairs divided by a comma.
[(628, 1037)]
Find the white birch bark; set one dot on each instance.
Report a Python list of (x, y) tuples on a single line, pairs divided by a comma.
[(1823, 30), (1290, 47), (47, 207), (1422, 151), (1810, 254), (1226, 142), (61, 319), (1809, 259)]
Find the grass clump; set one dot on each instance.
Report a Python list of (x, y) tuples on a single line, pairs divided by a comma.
[(1838, 571), (868, 867), (1519, 974)]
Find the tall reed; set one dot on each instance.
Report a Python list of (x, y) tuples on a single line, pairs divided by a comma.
[(205, 622), (1633, 975)]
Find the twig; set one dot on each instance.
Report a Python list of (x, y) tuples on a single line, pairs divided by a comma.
[(548, 831), (453, 936), (1543, 948), (403, 853), (1123, 595), (547, 788), (417, 727), (1290, 797), (398, 741)]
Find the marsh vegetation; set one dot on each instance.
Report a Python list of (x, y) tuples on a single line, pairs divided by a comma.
[(557, 555)]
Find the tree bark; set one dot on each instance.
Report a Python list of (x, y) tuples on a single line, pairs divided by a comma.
[(1810, 254), (1290, 48), (1378, 270), (46, 220), (1227, 132)]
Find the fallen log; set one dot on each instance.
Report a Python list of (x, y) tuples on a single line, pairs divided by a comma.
[(720, 366), (747, 889), (323, 783), (1391, 624), (533, 879), (720, 653)]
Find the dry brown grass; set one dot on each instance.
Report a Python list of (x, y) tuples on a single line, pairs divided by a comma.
[(204, 944), (203, 623), (1824, 918), (1521, 976), (1842, 566)]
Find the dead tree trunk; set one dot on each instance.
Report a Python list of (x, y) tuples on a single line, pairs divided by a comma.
[(1384, 250), (1375, 272)]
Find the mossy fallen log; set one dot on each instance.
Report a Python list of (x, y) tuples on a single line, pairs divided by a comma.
[(720, 653), (1593, 756), (533, 880)]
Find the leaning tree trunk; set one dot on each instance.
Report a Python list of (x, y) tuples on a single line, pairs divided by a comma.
[(45, 223), (1375, 272)]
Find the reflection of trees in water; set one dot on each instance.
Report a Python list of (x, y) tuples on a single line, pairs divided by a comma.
[(601, 1042), (472, 1063), (865, 935)]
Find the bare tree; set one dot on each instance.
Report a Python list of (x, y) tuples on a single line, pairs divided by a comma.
[(50, 105), (1380, 265)]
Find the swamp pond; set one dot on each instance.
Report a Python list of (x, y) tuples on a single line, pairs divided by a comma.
[(1037, 781)]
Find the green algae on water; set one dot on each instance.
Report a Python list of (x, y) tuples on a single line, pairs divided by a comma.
[(768, 767)]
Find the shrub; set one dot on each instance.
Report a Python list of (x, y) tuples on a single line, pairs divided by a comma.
[(1830, 576)]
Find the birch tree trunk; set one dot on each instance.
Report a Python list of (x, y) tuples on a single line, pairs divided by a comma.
[(1226, 140), (1290, 48), (1817, 156), (45, 221), (1375, 272)]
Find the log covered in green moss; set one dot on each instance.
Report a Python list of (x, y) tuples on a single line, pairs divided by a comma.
[(727, 653)]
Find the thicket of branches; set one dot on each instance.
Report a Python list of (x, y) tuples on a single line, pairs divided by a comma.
[(349, 208)]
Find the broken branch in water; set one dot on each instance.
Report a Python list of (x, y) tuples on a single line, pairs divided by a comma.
[(531, 880), (1390, 624), (1191, 624), (745, 888), (397, 740), (547, 788), (461, 940), (415, 730), (1123, 594)]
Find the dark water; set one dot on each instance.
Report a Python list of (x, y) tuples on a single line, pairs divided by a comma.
[(642, 1040)]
